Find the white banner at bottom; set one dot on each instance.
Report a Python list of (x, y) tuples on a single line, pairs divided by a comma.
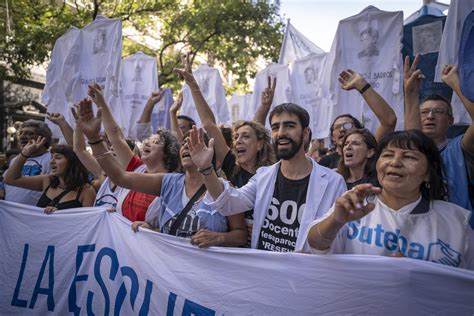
[(87, 261)]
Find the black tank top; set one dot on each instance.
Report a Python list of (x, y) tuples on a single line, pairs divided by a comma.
[(46, 201)]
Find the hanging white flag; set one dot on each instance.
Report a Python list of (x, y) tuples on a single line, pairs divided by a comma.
[(296, 46)]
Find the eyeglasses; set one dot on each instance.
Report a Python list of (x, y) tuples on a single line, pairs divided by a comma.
[(434, 111), (347, 125)]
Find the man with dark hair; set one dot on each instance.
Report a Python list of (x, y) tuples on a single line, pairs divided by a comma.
[(341, 125), (285, 196), (36, 164), (185, 123), (434, 117)]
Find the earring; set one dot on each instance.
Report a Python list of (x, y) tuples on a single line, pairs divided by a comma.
[(427, 185)]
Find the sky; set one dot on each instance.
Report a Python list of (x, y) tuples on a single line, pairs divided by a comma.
[(318, 19)]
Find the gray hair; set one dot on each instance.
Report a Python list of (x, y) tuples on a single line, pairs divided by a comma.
[(41, 128)]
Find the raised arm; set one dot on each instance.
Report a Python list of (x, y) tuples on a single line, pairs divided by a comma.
[(412, 84), (450, 76), (202, 158), (60, 121), (114, 133), (267, 99), (154, 98), (90, 125), (174, 117), (205, 112), (13, 175), (143, 125), (350, 80), (84, 156)]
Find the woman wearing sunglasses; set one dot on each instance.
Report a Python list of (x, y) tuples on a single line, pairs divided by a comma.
[(343, 124)]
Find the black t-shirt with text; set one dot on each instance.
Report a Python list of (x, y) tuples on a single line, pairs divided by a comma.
[(282, 223)]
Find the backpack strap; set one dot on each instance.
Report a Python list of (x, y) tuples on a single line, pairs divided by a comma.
[(185, 211)]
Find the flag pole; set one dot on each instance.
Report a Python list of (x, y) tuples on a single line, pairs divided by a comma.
[(283, 44)]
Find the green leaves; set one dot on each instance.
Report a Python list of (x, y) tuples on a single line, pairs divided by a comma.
[(235, 32)]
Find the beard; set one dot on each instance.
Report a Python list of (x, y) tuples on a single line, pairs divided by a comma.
[(287, 154)]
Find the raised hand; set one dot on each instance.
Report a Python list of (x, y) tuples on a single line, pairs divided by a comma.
[(33, 146), (412, 77), (450, 76), (86, 120), (200, 153), (96, 94), (156, 96), (350, 206), (269, 92), (349, 79), (205, 238), (177, 103), (186, 73), (56, 118)]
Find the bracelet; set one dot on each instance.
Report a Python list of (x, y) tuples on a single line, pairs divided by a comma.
[(207, 171), (96, 142), (322, 237), (365, 88), (102, 154), (21, 153)]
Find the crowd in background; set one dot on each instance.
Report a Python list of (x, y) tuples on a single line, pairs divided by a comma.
[(400, 193)]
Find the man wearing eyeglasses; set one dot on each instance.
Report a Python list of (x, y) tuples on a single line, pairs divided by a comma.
[(434, 117), (36, 164)]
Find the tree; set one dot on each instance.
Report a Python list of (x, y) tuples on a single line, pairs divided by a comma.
[(235, 33), (28, 32)]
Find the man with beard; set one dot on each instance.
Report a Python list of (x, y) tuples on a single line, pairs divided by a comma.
[(285, 196), (37, 163)]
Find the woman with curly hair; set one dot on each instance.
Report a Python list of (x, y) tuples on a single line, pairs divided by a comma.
[(159, 154), (181, 211), (65, 187)]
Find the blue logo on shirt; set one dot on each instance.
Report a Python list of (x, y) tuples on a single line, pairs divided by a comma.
[(441, 252), (32, 169), (394, 241)]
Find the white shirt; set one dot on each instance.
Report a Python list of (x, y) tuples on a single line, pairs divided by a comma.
[(139, 78), (283, 92), (324, 187), (53, 93), (211, 86), (376, 56), (105, 196), (97, 59), (239, 107), (440, 235), (33, 166), (305, 77)]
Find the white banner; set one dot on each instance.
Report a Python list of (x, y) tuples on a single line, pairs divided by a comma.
[(296, 46), (88, 261)]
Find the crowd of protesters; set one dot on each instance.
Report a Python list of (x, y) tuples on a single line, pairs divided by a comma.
[(275, 190)]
